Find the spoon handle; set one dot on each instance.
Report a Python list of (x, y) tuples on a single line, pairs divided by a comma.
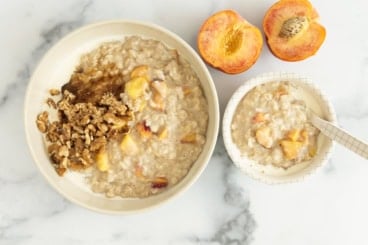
[(339, 135)]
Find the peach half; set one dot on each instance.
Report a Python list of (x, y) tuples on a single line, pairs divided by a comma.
[(292, 30), (228, 42)]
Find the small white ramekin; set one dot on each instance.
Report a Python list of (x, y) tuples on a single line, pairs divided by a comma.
[(270, 174)]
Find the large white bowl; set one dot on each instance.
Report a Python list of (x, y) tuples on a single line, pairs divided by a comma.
[(314, 99), (55, 69)]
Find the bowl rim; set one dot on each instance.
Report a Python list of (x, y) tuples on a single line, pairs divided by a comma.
[(215, 116), (234, 101)]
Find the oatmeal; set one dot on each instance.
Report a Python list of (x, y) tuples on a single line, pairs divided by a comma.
[(270, 126), (154, 113)]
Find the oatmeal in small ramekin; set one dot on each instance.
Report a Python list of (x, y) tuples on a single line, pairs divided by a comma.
[(270, 126), (133, 119)]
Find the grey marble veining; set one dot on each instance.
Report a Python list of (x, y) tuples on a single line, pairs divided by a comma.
[(239, 229), (49, 37), (10, 220)]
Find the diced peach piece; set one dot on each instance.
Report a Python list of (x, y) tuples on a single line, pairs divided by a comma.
[(163, 133), (304, 137), (128, 145), (258, 117), (186, 90), (263, 137), (136, 87), (297, 135), (139, 71), (312, 150), (290, 148), (293, 135), (142, 105), (189, 138), (144, 130), (159, 182), (160, 87), (139, 172), (102, 161), (158, 102), (280, 92)]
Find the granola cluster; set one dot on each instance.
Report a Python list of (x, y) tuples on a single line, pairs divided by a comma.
[(81, 129)]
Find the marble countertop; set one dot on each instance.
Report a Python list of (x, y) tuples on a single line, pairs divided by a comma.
[(223, 206)]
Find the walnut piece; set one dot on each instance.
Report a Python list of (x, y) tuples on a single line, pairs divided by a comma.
[(54, 92), (42, 122), (81, 129)]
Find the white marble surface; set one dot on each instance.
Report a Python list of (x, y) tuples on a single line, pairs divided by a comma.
[(224, 206)]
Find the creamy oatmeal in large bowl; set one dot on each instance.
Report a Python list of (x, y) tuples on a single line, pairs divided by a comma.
[(133, 118), (267, 132), (146, 140)]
